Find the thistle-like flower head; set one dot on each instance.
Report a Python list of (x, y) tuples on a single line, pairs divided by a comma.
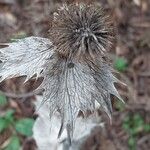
[(81, 30), (76, 75)]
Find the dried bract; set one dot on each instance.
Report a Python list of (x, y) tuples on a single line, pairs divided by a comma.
[(26, 57), (73, 62)]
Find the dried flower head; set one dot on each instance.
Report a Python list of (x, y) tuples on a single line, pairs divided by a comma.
[(76, 76), (81, 31)]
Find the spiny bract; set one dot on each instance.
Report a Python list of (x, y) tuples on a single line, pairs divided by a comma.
[(81, 31), (76, 75)]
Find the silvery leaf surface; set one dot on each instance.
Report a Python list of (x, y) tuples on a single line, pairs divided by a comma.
[(68, 90), (104, 87), (45, 130), (70, 86), (77, 88), (25, 57)]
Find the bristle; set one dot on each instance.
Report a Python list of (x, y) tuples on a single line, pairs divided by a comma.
[(81, 30)]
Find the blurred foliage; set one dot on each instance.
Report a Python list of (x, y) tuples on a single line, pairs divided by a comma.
[(6, 120), (3, 100), (14, 143), (134, 125), (24, 126), (119, 105), (120, 64), (18, 127)]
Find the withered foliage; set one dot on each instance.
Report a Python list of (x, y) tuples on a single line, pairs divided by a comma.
[(73, 62)]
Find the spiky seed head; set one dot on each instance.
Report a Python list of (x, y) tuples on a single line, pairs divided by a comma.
[(81, 30)]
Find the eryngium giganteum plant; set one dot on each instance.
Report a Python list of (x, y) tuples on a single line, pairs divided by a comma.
[(73, 62)]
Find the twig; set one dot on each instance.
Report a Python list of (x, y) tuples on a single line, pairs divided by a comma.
[(143, 139), (14, 95)]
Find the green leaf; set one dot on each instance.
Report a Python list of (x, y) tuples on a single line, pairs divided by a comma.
[(132, 143), (127, 119), (3, 124), (24, 126), (9, 115), (147, 127), (14, 144), (6, 120), (120, 64), (137, 130), (138, 119), (3, 100)]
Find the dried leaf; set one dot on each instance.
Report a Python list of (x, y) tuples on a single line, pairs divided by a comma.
[(69, 86), (76, 72), (45, 131), (70, 90), (25, 57)]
